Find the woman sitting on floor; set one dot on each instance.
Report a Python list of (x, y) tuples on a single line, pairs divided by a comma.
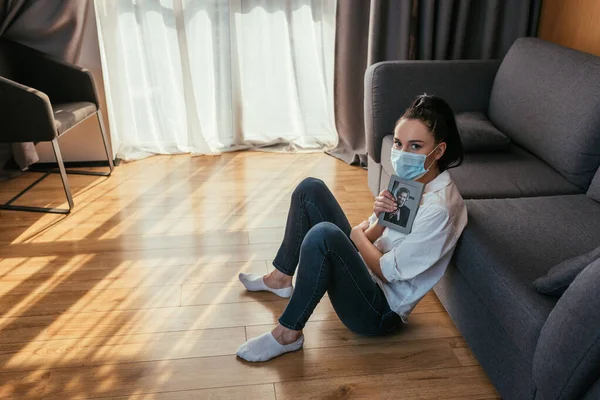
[(374, 276)]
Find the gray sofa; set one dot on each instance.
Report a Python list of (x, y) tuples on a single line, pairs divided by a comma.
[(533, 201)]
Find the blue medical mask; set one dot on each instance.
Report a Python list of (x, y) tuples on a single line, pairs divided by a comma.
[(410, 166)]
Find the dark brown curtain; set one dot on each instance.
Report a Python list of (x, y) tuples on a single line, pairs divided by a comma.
[(370, 31), (52, 26)]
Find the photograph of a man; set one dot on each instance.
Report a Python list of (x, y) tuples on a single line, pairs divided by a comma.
[(402, 213)]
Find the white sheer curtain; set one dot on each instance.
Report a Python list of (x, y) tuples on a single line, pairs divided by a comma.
[(206, 76)]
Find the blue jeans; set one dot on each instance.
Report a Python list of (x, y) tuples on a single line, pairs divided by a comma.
[(317, 241)]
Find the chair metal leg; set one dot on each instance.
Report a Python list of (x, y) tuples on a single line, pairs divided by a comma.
[(111, 166), (105, 141), (63, 175)]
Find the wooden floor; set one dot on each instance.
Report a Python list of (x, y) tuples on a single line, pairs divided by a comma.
[(135, 294)]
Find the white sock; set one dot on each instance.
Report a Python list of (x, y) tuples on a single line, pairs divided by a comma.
[(266, 347), (255, 283)]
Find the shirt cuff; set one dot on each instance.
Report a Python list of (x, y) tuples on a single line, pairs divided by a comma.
[(387, 263), (372, 219)]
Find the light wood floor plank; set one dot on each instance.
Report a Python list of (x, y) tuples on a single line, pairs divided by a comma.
[(121, 349), (121, 239), (42, 255), (65, 279), (219, 293), (212, 372), (446, 383), (169, 319), (69, 302), (429, 303), (465, 356), (24, 329), (266, 235), (255, 392)]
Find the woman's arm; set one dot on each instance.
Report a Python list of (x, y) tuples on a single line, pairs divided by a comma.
[(368, 251), (374, 231)]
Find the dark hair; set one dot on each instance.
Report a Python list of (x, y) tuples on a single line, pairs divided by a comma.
[(402, 190), (438, 117)]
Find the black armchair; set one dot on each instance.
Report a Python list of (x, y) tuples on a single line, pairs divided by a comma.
[(41, 99)]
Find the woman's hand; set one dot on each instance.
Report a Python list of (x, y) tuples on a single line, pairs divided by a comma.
[(359, 231), (385, 202), (363, 226), (368, 251)]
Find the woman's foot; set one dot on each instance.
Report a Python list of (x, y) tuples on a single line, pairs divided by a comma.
[(275, 282), (271, 344)]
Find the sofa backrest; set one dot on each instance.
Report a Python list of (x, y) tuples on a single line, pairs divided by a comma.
[(594, 190), (546, 98)]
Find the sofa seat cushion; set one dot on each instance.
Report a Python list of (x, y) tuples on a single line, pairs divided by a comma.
[(477, 133), (512, 173), (509, 243)]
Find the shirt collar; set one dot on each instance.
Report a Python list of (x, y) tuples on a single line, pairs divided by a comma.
[(440, 182)]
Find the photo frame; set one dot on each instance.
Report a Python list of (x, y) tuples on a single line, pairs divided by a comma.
[(408, 197)]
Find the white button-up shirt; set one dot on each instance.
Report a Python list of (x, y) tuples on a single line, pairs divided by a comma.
[(413, 263)]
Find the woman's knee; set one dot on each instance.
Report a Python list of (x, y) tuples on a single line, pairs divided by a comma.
[(323, 236), (318, 243), (309, 186)]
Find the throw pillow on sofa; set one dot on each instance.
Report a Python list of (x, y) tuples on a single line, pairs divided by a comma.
[(477, 133), (558, 279)]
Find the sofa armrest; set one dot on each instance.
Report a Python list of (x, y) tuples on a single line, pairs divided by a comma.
[(566, 362), (60, 81), (25, 114), (390, 88)]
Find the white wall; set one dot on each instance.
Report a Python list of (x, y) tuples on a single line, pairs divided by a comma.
[(84, 142)]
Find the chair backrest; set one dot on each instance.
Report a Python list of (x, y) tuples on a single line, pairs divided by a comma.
[(546, 98)]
